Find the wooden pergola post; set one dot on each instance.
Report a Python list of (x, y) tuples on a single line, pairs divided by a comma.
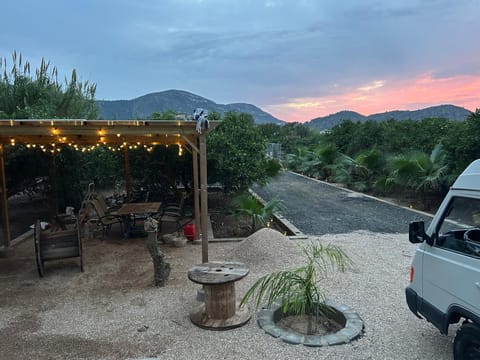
[(54, 206), (5, 226), (204, 196), (196, 203), (128, 185)]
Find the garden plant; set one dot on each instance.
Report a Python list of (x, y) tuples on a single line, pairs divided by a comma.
[(298, 291)]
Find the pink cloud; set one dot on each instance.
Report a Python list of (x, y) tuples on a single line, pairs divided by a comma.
[(386, 95)]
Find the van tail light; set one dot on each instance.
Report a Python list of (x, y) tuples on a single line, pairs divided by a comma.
[(412, 274)]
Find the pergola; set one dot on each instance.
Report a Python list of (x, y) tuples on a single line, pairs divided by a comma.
[(53, 134)]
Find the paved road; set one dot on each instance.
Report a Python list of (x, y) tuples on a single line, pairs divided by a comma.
[(317, 208)]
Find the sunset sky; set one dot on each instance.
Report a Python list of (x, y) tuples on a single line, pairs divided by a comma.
[(296, 59)]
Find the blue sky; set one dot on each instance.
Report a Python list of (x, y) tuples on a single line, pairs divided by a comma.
[(296, 59)]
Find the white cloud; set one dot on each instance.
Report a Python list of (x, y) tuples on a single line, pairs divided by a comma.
[(373, 85)]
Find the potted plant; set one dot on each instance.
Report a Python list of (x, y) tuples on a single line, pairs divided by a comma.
[(297, 292)]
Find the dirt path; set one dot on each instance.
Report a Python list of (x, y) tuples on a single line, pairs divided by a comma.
[(318, 208)]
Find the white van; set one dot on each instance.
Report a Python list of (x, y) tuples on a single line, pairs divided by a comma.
[(445, 274)]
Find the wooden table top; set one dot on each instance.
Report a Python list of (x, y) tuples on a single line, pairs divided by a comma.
[(139, 208), (216, 272)]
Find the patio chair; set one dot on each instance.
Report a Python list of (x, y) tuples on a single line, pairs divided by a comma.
[(106, 220), (177, 208), (178, 220), (108, 209), (141, 217), (56, 245), (173, 214)]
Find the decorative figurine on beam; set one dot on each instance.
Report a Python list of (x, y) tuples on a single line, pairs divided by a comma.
[(201, 117)]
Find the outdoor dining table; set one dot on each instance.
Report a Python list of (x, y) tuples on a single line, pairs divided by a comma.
[(220, 310), (129, 210)]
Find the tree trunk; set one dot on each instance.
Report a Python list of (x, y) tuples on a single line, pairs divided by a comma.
[(160, 267)]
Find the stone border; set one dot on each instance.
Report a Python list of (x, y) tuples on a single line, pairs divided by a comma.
[(353, 327)]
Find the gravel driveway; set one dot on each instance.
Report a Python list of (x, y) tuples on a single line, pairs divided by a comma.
[(319, 208), (113, 311)]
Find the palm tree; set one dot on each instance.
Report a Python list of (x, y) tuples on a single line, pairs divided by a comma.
[(295, 160), (260, 214), (297, 290), (419, 171), (361, 172), (322, 161)]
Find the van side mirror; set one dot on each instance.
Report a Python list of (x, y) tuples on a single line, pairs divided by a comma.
[(416, 233)]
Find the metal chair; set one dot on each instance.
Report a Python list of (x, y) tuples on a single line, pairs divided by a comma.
[(106, 220), (173, 214)]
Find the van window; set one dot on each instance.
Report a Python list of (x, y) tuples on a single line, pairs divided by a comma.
[(463, 214)]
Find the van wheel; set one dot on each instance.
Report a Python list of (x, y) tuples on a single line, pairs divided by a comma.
[(466, 345)]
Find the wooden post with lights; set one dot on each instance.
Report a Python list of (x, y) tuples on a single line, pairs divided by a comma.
[(196, 203), (128, 186), (203, 196), (54, 202), (5, 227)]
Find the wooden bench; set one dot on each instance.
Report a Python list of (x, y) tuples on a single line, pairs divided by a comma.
[(56, 245)]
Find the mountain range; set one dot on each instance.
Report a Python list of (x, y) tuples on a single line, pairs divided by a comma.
[(185, 102), (177, 100), (451, 112)]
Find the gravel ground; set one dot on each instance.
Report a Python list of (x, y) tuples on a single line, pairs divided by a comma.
[(319, 208), (112, 311)]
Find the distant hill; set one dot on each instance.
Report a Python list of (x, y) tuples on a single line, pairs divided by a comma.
[(451, 112), (176, 100), (326, 122)]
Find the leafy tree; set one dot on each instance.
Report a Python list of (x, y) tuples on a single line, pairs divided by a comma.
[(166, 115), (342, 135), (214, 116), (23, 96), (159, 171), (26, 169), (41, 95), (462, 143), (291, 135), (102, 166), (236, 153)]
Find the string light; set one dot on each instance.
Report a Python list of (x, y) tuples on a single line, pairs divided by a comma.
[(58, 143)]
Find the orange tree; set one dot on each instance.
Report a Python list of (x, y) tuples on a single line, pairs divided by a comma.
[(237, 153)]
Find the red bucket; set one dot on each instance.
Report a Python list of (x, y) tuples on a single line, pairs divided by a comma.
[(190, 231)]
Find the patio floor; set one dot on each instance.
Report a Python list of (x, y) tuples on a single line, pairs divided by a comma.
[(113, 311)]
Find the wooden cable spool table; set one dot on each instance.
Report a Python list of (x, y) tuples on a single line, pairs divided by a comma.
[(56, 245), (220, 310)]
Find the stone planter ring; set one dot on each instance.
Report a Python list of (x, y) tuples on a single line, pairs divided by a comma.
[(269, 316)]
